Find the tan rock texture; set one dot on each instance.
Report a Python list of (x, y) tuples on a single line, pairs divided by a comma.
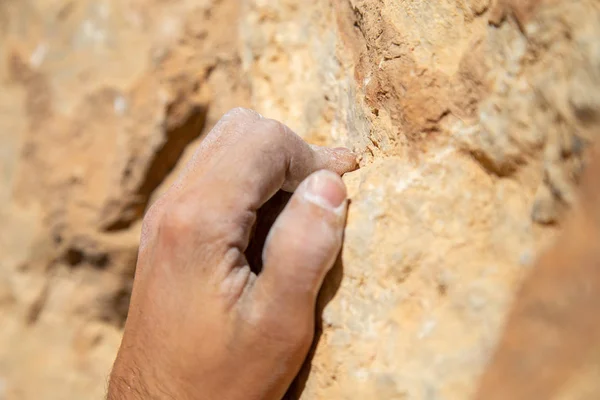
[(550, 348), (472, 119)]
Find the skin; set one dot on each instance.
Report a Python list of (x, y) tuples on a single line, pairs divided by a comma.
[(202, 324)]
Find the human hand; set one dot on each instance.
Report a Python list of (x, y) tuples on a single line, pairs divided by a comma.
[(202, 324)]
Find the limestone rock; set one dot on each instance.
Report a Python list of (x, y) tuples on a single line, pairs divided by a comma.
[(472, 119), (550, 345)]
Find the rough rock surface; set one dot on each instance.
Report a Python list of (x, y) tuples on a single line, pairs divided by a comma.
[(471, 117), (550, 345)]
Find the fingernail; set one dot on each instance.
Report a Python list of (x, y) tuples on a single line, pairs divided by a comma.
[(326, 189)]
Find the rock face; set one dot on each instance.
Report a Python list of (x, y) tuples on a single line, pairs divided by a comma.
[(549, 348), (471, 117)]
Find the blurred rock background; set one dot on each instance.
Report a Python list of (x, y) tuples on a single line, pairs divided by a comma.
[(472, 119)]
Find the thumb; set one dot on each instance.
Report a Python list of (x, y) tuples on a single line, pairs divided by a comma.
[(303, 245)]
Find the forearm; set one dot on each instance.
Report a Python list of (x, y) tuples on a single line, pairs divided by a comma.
[(130, 382), (127, 384)]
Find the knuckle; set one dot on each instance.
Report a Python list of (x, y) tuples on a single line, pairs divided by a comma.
[(185, 220), (322, 232), (240, 113), (274, 138), (273, 129), (177, 220), (153, 216), (328, 239)]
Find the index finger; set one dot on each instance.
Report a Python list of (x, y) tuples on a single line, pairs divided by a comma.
[(250, 158)]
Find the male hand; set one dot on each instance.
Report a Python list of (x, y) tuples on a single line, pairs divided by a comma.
[(202, 324)]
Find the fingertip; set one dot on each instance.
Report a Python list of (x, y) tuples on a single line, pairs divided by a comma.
[(339, 159), (348, 160)]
